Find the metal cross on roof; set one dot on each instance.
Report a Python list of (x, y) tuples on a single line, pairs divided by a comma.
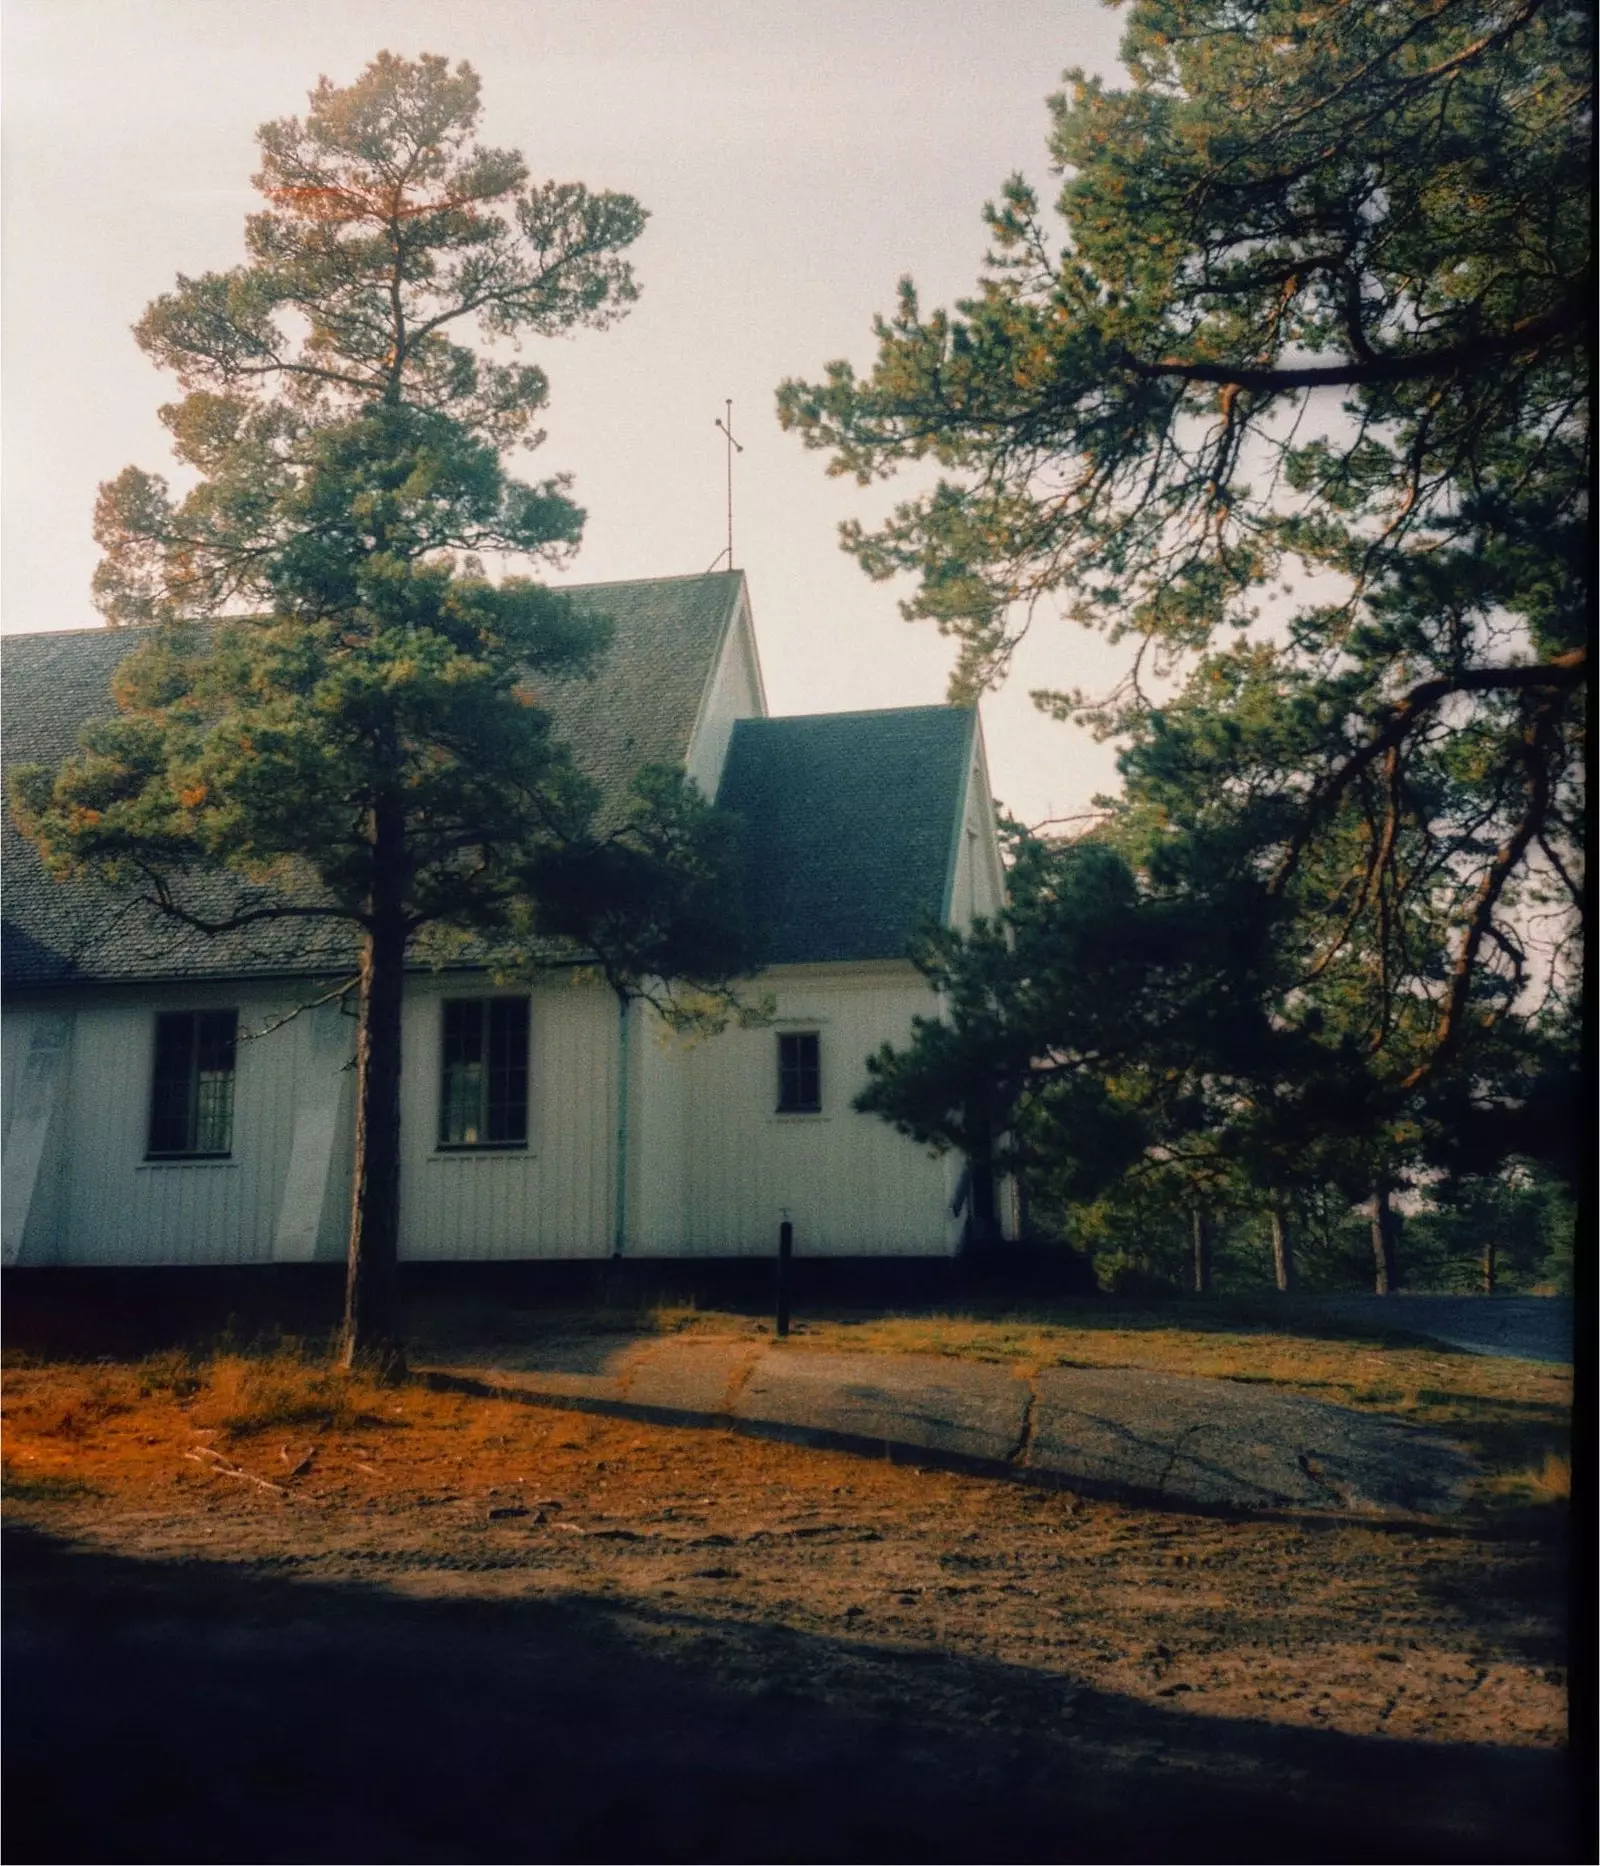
[(725, 422)]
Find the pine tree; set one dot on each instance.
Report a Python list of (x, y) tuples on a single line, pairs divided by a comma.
[(1324, 303), (336, 709)]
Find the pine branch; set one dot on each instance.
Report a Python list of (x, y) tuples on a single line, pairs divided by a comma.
[(1561, 674)]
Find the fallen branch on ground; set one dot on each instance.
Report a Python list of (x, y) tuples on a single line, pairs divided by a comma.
[(223, 1468)]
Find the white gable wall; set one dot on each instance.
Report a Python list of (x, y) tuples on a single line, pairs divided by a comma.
[(734, 692), (978, 892), (977, 882)]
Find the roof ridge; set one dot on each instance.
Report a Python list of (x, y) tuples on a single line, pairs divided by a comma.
[(619, 583), (57, 634), (860, 712), (133, 629)]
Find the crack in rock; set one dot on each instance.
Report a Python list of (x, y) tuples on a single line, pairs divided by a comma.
[(1019, 1452)]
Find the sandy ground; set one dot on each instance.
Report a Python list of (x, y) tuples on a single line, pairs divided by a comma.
[(916, 1665)]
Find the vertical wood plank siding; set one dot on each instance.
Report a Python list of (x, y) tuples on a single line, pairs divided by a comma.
[(37, 1090), (978, 884), (120, 1208), (658, 1183), (554, 1199), (851, 1184), (711, 1163)]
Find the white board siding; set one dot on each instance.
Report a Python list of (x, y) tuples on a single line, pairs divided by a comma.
[(99, 1200), (711, 1164), (312, 1223), (553, 1200), (658, 1139), (734, 692), (851, 1185), (38, 1073), (977, 887)]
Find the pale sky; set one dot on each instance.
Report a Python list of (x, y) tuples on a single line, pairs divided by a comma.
[(797, 157)]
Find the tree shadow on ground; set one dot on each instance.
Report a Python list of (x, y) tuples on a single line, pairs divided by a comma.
[(189, 1710)]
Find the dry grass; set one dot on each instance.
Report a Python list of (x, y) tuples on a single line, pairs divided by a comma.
[(248, 1395), (235, 1394), (1543, 1487)]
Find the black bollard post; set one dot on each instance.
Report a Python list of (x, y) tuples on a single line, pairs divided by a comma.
[(785, 1253)]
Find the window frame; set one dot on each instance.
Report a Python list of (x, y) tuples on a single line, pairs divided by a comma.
[(198, 1121), (795, 1073), (508, 1068)]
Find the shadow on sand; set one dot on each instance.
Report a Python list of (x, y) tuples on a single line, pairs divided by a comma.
[(188, 1710)]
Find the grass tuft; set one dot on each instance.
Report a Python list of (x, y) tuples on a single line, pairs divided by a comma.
[(1553, 1479), (250, 1394), (97, 1400), (173, 1374)]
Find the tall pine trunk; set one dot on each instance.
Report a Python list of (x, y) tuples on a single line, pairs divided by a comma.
[(983, 1185), (371, 1332), (1385, 1257), (1282, 1247), (985, 1203), (1202, 1251)]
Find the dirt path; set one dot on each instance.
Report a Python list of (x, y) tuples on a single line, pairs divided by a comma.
[(456, 1629)]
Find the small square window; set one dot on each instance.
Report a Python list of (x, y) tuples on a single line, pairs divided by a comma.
[(799, 1072), (191, 1087), (483, 1086)]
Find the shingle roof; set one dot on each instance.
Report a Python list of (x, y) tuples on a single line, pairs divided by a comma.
[(56, 683), (850, 824), (640, 708)]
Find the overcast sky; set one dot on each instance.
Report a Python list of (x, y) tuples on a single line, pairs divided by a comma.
[(797, 157)]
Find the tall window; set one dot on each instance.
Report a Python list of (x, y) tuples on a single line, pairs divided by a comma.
[(483, 1093), (799, 1072), (191, 1091)]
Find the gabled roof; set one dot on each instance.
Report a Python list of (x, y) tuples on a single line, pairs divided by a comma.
[(850, 826), (56, 683), (641, 706)]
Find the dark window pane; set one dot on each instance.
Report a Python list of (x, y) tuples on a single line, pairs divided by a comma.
[(461, 1089), (191, 1089), (171, 1082), (506, 1113), (483, 1100), (463, 1032), (799, 1072), (216, 1033)]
